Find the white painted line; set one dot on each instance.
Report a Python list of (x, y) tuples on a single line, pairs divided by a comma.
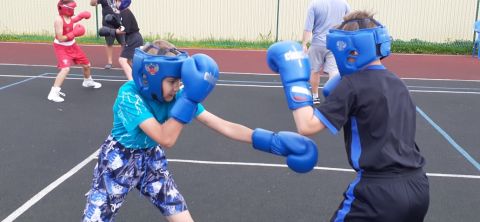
[(25, 80), (75, 78), (249, 85), (421, 91), (249, 73), (243, 73), (453, 175), (449, 92), (456, 80), (316, 168), (52, 66), (253, 84), (252, 164), (93, 156), (48, 189), (443, 88), (27, 65)]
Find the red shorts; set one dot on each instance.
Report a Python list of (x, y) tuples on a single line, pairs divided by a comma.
[(69, 55)]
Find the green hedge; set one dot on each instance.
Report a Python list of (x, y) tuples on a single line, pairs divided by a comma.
[(398, 46)]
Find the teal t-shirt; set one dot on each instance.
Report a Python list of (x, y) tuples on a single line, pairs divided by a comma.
[(131, 109)]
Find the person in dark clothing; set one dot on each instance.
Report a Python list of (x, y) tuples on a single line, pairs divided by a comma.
[(124, 24), (133, 39), (108, 8)]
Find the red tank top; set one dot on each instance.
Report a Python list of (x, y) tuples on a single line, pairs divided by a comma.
[(67, 27)]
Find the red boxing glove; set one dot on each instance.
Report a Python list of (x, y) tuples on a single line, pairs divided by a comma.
[(78, 30), (80, 16)]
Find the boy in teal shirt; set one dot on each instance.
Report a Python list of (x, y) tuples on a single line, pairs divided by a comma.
[(149, 115)]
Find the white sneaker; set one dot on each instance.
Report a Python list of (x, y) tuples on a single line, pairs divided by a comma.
[(55, 94), (91, 83)]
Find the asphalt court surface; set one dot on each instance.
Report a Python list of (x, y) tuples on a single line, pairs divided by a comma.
[(46, 163)]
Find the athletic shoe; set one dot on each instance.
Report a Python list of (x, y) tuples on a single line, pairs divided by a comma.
[(91, 83), (316, 101), (108, 66), (55, 94)]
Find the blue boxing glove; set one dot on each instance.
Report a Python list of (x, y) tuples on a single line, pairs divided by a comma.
[(288, 59), (199, 76), (330, 85), (301, 152)]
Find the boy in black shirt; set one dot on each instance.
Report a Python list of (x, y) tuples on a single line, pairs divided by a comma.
[(376, 112)]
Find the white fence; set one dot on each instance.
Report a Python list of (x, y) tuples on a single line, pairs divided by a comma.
[(251, 20)]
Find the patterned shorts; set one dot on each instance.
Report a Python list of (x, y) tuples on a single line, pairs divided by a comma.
[(119, 170)]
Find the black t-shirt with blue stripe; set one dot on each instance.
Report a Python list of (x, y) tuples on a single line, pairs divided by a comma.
[(378, 117)]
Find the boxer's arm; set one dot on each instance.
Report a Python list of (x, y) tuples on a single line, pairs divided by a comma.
[(58, 25), (307, 36), (306, 121), (165, 134), (80, 16), (229, 129), (78, 30)]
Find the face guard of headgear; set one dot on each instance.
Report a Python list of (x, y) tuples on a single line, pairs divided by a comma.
[(353, 50), (149, 70), (123, 4), (67, 9)]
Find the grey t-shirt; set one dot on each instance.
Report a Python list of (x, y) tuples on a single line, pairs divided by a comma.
[(323, 15)]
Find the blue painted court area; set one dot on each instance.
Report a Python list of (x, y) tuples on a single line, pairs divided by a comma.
[(48, 152)]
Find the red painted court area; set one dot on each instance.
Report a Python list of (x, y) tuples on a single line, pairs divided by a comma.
[(254, 61)]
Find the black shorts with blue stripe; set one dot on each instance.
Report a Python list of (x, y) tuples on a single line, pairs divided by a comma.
[(380, 197)]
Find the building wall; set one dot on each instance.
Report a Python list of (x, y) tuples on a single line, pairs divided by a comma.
[(252, 20)]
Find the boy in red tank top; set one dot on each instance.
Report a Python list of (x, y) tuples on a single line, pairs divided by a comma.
[(66, 50)]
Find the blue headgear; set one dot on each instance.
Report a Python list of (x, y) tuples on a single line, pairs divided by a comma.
[(362, 46), (149, 70), (124, 4)]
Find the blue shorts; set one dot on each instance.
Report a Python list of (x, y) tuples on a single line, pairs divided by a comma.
[(119, 170)]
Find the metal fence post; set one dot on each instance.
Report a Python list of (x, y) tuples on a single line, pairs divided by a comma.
[(96, 20), (476, 19), (278, 17)]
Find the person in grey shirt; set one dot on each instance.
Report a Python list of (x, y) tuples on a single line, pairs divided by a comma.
[(322, 15)]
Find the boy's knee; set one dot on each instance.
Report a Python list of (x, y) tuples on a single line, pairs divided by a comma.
[(122, 60), (65, 69)]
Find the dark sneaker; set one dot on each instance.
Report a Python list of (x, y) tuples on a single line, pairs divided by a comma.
[(108, 66), (316, 101)]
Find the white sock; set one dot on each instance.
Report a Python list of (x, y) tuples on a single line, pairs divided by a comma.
[(315, 95)]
